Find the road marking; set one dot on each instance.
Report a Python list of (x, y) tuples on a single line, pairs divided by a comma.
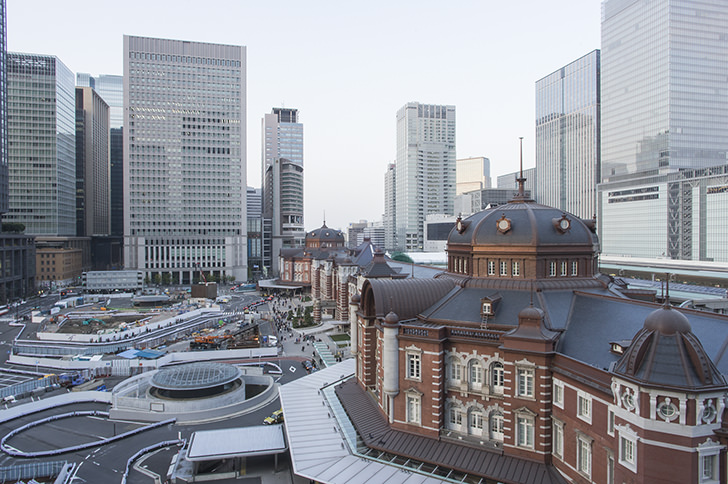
[(292, 369)]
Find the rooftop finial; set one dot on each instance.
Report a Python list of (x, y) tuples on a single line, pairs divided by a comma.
[(521, 181), (324, 225)]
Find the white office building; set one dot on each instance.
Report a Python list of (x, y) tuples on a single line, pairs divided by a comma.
[(472, 174), (184, 158), (664, 108), (283, 180), (425, 170)]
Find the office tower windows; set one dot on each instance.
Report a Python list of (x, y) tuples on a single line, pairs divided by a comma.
[(425, 169), (42, 146), (184, 159), (567, 137)]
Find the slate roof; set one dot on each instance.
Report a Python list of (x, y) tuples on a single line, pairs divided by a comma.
[(375, 432), (407, 297)]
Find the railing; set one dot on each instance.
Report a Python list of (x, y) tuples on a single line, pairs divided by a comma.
[(483, 334)]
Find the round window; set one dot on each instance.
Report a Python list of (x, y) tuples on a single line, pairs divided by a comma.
[(667, 410), (709, 413)]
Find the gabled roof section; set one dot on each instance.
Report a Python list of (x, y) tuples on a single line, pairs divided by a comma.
[(378, 267)]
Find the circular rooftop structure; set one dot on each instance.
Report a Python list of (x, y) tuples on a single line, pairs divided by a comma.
[(196, 380)]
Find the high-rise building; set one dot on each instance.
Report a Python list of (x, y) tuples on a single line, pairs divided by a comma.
[(111, 89), (390, 196), (472, 174), (282, 172), (17, 251), (425, 169), (664, 108), (184, 159), (509, 181), (255, 231), (42, 151), (3, 112), (567, 137), (92, 164)]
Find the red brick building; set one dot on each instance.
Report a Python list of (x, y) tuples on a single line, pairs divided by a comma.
[(521, 363)]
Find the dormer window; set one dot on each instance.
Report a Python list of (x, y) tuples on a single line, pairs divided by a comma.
[(487, 309)]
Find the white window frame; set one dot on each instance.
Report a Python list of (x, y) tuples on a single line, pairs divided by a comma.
[(414, 365), (584, 455), (564, 267), (475, 422), (558, 439), (455, 418), (584, 406), (414, 408), (497, 374), (610, 422), (525, 431), (516, 269), (456, 370), (491, 267), (708, 462), (525, 382), (552, 269), (627, 444), (475, 373), (574, 268), (558, 395), (495, 424), (503, 268)]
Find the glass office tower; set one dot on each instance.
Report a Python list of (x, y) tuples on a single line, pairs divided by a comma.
[(111, 89), (567, 137), (664, 109), (42, 142), (425, 170), (283, 180), (3, 111), (184, 159)]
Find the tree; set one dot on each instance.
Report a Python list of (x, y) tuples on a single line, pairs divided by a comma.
[(402, 257), (15, 227)]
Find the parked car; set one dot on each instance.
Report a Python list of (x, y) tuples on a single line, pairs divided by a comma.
[(307, 365), (274, 418)]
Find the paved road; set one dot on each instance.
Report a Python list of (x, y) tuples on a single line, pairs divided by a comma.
[(106, 463)]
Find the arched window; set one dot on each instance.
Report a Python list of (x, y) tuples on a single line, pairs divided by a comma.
[(475, 423), (476, 374), (496, 426), (496, 372)]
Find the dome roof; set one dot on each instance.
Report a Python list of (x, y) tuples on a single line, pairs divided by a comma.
[(665, 352), (667, 321), (326, 234), (523, 222)]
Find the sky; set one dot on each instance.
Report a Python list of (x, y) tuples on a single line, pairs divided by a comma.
[(347, 67)]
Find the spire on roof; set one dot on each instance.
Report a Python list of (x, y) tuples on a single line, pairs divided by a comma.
[(521, 195)]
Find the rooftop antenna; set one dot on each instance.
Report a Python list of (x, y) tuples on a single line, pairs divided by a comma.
[(667, 289), (521, 196), (324, 218)]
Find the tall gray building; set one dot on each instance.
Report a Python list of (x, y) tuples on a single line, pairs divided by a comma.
[(567, 137), (664, 108), (425, 170), (17, 251), (184, 158), (111, 88), (390, 197), (283, 180), (42, 139), (93, 209)]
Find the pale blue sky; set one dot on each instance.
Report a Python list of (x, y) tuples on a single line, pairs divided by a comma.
[(348, 67)]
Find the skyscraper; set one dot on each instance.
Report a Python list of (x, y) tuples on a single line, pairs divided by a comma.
[(390, 197), (283, 180), (567, 137), (17, 251), (425, 169), (111, 89), (92, 164), (184, 159), (664, 108), (3, 112), (42, 151), (472, 174)]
